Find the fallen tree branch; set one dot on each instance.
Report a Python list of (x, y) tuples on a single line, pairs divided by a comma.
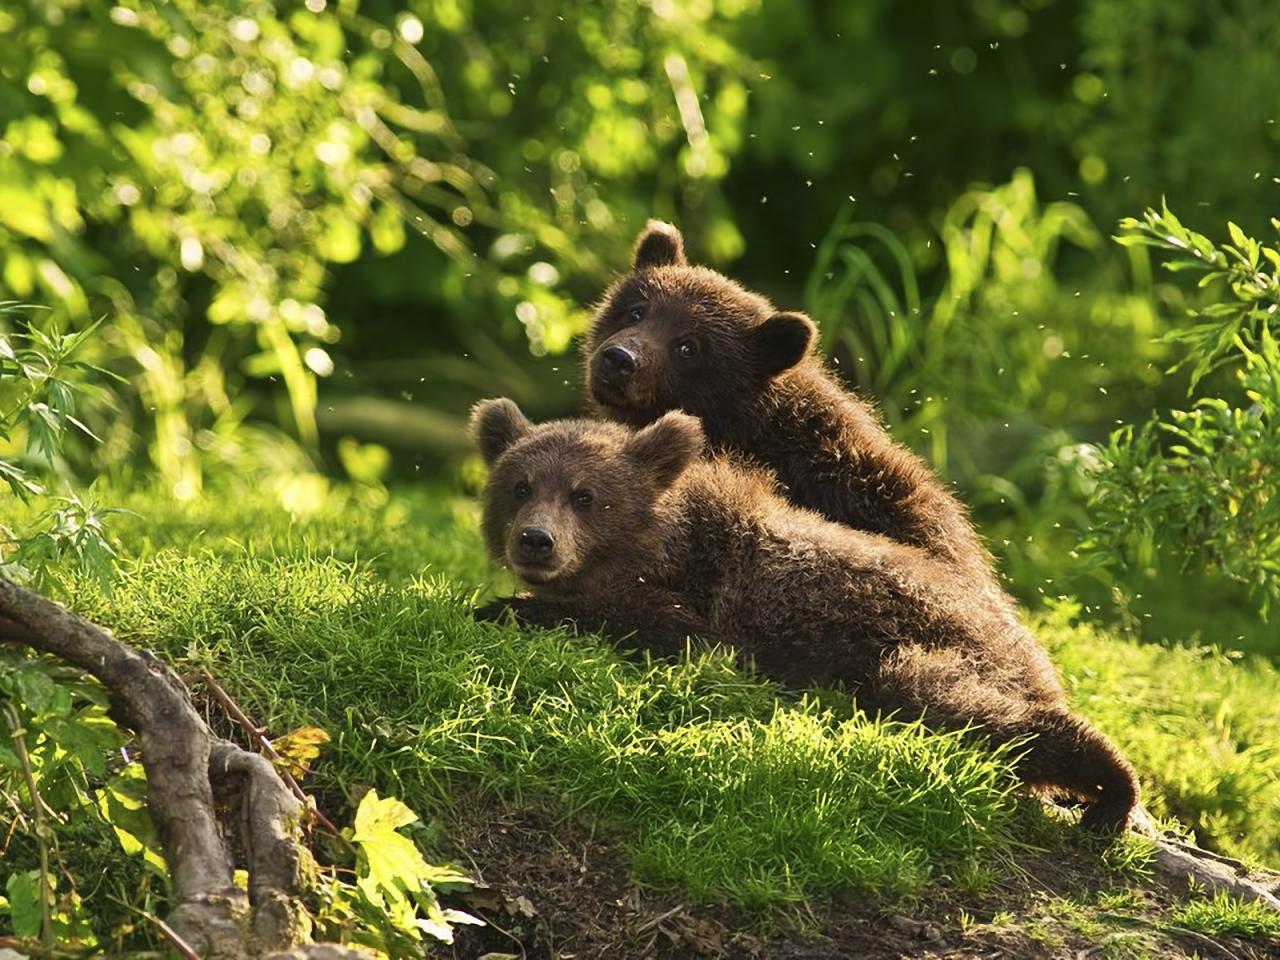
[(1185, 861), (149, 699), (184, 763), (269, 816), (180, 946)]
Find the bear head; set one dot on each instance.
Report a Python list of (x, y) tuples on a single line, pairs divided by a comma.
[(570, 504), (672, 336)]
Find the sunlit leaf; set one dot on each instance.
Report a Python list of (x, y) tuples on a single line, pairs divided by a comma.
[(298, 748)]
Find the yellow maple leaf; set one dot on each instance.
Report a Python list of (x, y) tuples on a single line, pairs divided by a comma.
[(394, 864)]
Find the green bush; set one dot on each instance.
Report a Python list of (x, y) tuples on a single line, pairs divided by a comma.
[(1204, 484)]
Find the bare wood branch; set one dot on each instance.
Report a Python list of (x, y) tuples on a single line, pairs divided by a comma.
[(270, 820), (1183, 861), (185, 764), (1210, 871), (150, 699), (180, 946)]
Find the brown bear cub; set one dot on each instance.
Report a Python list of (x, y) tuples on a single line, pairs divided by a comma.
[(670, 336), (634, 529)]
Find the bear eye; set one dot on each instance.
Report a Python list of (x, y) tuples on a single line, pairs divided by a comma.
[(637, 312), (582, 499), (688, 349), (523, 490)]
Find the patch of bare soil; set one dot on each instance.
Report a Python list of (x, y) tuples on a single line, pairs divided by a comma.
[(553, 891)]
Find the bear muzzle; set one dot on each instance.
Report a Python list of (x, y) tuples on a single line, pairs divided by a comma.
[(619, 382), (617, 363), (535, 545), (533, 555)]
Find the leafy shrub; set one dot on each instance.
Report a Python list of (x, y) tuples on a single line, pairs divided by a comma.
[(197, 170), (1204, 484), (1005, 345), (56, 741), (43, 386)]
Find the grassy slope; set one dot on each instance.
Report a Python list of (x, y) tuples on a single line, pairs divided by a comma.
[(356, 618)]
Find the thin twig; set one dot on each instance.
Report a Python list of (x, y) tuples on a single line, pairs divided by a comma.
[(654, 921), (175, 940), (1204, 938), (179, 945), (258, 738), (42, 844), (13, 828)]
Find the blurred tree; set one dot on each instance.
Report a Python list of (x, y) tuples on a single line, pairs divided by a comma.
[(189, 169), (417, 200)]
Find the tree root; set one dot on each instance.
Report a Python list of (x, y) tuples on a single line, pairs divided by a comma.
[(1210, 872), (186, 766)]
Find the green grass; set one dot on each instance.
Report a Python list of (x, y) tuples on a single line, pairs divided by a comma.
[(724, 790), (1224, 914), (1200, 725), (356, 617)]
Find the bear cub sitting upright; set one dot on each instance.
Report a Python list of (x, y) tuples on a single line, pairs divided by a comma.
[(607, 525), (673, 336)]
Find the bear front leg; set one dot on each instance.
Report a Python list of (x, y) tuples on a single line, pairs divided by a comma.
[(527, 610), (661, 626)]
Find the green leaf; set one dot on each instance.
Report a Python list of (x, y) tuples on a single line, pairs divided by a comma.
[(22, 485), (8, 758), (60, 706), (386, 229), (24, 903), (122, 803), (35, 688), (340, 241), (87, 741), (1135, 240)]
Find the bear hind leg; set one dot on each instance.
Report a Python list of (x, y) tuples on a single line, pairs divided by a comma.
[(1060, 750), (1066, 752)]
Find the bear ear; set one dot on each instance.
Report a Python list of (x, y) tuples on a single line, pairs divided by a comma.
[(667, 446), (496, 425), (782, 341), (661, 245)]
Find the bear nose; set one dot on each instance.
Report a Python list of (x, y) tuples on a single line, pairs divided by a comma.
[(536, 543), (619, 362)]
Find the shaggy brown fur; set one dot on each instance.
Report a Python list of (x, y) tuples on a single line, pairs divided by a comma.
[(635, 530), (671, 336)]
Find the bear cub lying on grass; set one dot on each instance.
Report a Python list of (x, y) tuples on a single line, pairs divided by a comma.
[(671, 336), (634, 530)]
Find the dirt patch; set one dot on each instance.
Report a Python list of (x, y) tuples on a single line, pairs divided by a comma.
[(557, 891)]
